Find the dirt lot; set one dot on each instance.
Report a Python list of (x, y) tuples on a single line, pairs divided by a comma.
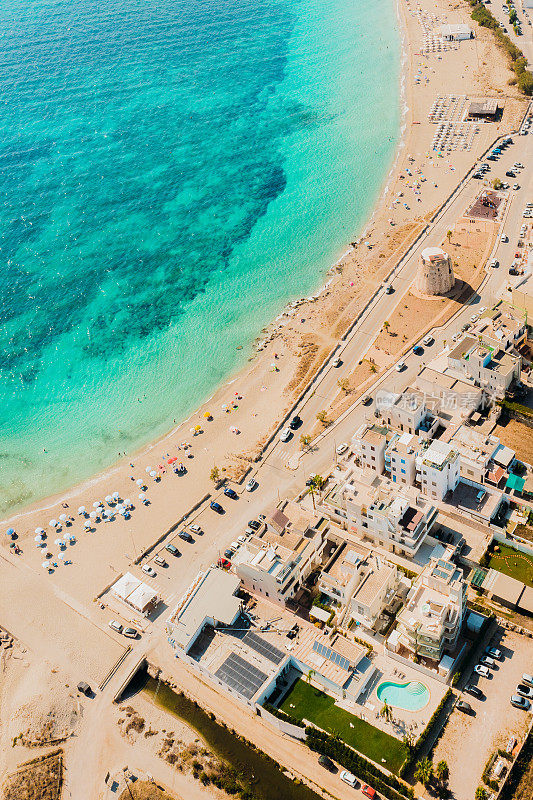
[(518, 437), (494, 722), (40, 779), (143, 790)]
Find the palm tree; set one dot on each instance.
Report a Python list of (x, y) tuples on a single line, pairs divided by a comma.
[(449, 236), (215, 474), (309, 676), (318, 483), (424, 772), (481, 793), (386, 712), (386, 326), (312, 492), (305, 440), (442, 771)]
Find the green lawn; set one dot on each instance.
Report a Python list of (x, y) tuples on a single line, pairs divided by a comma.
[(306, 702), (512, 562)]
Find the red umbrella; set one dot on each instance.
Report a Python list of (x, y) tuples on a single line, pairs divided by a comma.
[(171, 460)]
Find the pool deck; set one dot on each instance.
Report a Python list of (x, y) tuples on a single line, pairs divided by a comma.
[(404, 721)]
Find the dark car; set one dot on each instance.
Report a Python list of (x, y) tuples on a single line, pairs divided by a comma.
[(477, 175), (254, 524), (295, 422), (85, 689), (229, 553), (216, 507), (172, 549), (510, 173), (417, 350), (185, 536), (491, 158), (326, 762), (475, 691), (465, 707), (231, 493), (367, 399)]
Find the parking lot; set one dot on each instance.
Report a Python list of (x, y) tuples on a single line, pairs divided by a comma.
[(468, 741)]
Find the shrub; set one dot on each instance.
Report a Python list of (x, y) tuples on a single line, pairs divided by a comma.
[(424, 735)]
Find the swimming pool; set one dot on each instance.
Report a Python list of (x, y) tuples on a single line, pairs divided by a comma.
[(411, 696)]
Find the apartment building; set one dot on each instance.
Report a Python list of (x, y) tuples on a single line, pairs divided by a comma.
[(343, 572), (401, 459), (374, 593), (274, 562), (409, 412), (440, 470), (493, 369), (430, 623), (476, 452), (500, 328), (368, 444)]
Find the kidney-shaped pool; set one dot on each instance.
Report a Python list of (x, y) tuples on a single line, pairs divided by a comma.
[(411, 696)]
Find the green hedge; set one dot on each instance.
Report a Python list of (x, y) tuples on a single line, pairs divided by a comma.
[(424, 735), (387, 785), (277, 712)]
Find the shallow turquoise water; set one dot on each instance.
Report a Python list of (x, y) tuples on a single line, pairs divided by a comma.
[(410, 696), (172, 173)]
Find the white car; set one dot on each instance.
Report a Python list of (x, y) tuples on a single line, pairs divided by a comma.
[(241, 539), (400, 366), (195, 528), (251, 485), (473, 318), (234, 546), (428, 340), (493, 263), (348, 778), (518, 165), (341, 448), (116, 626), (160, 561), (285, 435), (481, 670), (503, 237), (148, 570), (482, 309), (516, 187)]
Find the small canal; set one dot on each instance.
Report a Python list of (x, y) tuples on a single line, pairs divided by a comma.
[(264, 776)]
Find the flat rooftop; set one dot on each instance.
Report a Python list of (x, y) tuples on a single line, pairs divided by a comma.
[(213, 596)]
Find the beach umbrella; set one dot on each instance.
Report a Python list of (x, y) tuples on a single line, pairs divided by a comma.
[(10, 531), (142, 496), (207, 415), (153, 473), (109, 514), (53, 523), (198, 428), (148, 469), (97, 504), (115, 496), (39, 530), (58, 541), (81, 510), (108, 498), (93, 515), (128, 503), (87, 524), (61, 556), (171, 460), (38, 538), (45, 564), (72, 539), (63, 517), (140, 482), (12, 544)]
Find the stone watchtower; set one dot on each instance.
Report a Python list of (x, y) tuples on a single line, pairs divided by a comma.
[(435, 272)]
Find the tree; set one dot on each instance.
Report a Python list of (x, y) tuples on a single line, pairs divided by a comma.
[(481, 793), (318, 482), (309, 676), (449, 236), (424, 772), (312, 492), (386, 326), (214, 475), (442, 771), (305, 440), (323, 418), (386, 712), (496, 184), (344, 385)]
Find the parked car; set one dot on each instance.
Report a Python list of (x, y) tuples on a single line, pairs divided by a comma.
[(195, 528), (130, 633), (241, 539), (388, 288), (481, 670), (254, 524), (525, 691), (251, 485), (148, 570), (160, 561), (348, 778), (400, 366), (216, 507), (224, 563), (428, 340), (85, 689), (493, 652), (367, 399), (465, 707), (475, 691), (186, 536), (172, 549), (229, 492), (368, 791), (418, 350), (295, 422), (494, 263), (285, 435), (229, 553), (341, 448), (520, 702), (527, 679), (510, 174), (336, 362), (487, 661), (326, 762), (116, 626)]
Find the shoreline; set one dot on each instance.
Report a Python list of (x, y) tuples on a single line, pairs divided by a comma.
[(289, 352)]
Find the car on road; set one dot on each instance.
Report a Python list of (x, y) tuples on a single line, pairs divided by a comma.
[(520, 702), (326, 762), (285, 435), (400, 366), (348, 778), (148, 570), (482, 670), (116, 626), (525, 691), (172, 549), (341, 448), (195, 528), (493, 652), (475, 691), (160, 561), (428, 340), (130, 633), (186, 536), (494, 263), (229, 492), (254, 524), (504, 238), (367, 399), (487, 661), (368, 791), (295, 422), (216, 507), (465, 707), (516, 187), (251, 485), (388, 288), (336, 362)]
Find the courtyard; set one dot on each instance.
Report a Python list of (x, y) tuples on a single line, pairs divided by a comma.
[(513, 563)]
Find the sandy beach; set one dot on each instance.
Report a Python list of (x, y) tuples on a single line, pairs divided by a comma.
[(248, 408)]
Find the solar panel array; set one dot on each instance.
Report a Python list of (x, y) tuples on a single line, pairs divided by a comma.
[(263, 647), (238, 674), (331, 655)]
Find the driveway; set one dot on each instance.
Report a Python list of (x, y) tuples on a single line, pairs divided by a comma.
[(468, 741)]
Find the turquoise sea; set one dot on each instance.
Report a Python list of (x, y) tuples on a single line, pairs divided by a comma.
[(172, 173)]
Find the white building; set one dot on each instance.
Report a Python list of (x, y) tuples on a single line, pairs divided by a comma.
[(456, 32), (368, 444), (430, 623), (492, 369), (440, 470), (375, 592)]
